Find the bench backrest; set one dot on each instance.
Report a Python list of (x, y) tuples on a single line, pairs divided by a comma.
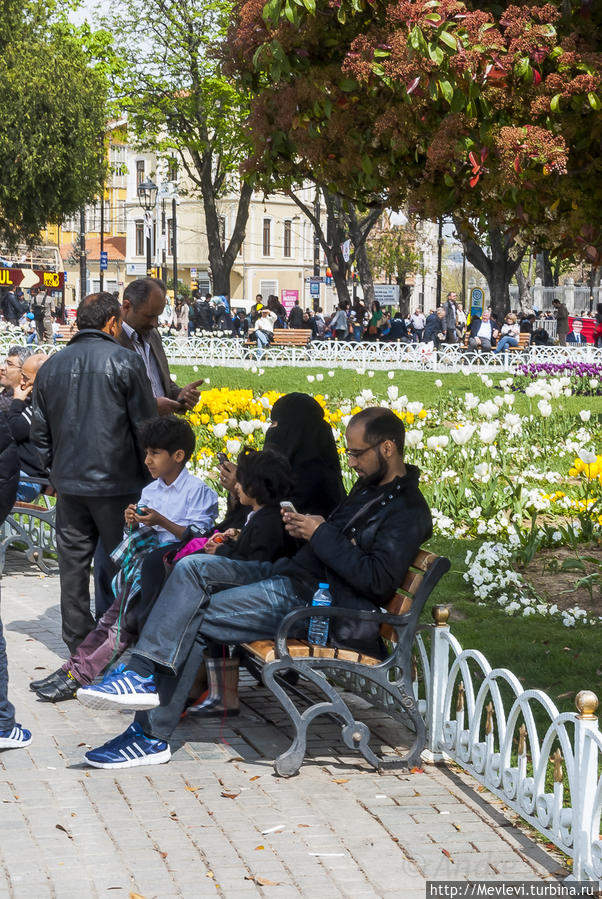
[(420, 580)]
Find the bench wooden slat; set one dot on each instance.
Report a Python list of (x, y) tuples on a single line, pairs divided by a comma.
[(300, 649), (289, 337)]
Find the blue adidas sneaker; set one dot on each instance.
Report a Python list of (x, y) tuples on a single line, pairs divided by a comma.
[(15, 738), (121, 689), (129, 749)]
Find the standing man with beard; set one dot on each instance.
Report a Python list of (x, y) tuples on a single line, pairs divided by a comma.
[(363, 550)]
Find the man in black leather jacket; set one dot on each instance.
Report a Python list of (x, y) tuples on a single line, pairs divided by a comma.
[(362, 550), (87, 401)]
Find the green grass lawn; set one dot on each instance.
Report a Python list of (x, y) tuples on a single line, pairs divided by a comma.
[(542, 653)]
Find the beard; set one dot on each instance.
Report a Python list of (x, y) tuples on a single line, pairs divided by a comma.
[(371, 480)]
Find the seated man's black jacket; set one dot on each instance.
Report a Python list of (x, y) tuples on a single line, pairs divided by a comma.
[(365, 562), (262, 539)]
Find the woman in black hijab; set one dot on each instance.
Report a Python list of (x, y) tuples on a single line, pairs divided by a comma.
[(302, 435)]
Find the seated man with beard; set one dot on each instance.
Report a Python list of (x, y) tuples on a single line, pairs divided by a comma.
[(363, 550)]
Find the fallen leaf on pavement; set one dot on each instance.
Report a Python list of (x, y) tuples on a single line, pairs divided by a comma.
[(263, 881), (64, 829), (229, 795), (173, 816), (161, 853), (340, 780), (210, 874), (448, 854), (417, 770), (137, 896), (236, 758), (259, 847), (457, 826), (193, 789), (257, 776)]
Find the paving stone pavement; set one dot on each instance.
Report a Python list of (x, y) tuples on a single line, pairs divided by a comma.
[(216, 820)]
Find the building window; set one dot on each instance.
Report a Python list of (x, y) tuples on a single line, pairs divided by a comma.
[(117, 160), (122, 220), (139, 238), (267, 224), (288, 236), (204, 283), (139, 171), (268, 289), (170, 237), (221, 221), (108, 220)]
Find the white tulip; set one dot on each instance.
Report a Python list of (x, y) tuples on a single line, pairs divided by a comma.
[(415, 408), (207, 380), (233, 446), (370, 374), (265, 402), (585, 415), (195, 368), (545, 409), (390, 375), (461, 436), (233, 422), (482, 470), (254, 369), (247, 427), (265, 426), (319, 377), (311, 379), (220, 430), (498, 400), (488, 431), (470, 401), (586, 457), (413, 438), (593, 383), (367, 394), (331, 374), (392, 393), (438, 383)]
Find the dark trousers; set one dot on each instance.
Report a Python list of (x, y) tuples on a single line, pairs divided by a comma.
[(7, 712), (80, 522)]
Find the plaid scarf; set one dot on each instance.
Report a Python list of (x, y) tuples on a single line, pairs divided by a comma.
[(129, 555)]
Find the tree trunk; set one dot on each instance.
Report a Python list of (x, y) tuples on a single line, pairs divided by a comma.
[(221, 259), (524, 292), (359, 230), (334, 253), (498, 268), (543, 269)]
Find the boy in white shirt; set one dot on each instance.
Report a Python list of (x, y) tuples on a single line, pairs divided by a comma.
[(167, 507)]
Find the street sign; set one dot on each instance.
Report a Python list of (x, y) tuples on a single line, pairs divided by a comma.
[(314, 280), (476, 302), (386, 293), (314, 288), (104, 260)]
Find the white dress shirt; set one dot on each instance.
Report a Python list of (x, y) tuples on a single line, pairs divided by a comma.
[(187, 501)]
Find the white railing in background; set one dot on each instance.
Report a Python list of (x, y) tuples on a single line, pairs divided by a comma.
[(234, 353), (484, 720)]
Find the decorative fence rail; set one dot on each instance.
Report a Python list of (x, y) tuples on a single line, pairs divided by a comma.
[(235, 353), (486, 722)]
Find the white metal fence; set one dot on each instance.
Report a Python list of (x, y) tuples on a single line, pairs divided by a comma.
[(485, 721), (234, 353)]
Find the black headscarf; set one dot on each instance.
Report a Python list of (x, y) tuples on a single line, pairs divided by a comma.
[(302, 435)]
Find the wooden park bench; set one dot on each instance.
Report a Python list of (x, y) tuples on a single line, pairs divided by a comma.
[(289, 337), (285, 657), (31, 526), (524, 340)]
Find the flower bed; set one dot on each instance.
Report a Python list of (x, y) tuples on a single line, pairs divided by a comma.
[(488, 471)]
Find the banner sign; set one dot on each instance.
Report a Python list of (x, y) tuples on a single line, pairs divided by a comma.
[(26, 278), (289, 299)]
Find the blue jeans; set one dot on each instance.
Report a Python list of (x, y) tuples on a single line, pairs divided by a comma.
[(207, 598), (505, 342), (26, 491), (7, 711)]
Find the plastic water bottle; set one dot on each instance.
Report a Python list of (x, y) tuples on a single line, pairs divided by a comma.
[(317, 632)]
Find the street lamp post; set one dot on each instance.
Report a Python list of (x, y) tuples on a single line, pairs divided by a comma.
[(147, 197)]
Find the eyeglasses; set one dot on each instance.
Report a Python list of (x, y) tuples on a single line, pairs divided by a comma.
[(357, 454)]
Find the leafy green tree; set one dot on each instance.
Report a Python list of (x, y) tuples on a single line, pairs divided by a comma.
[(486, 110), (178, 102), (52, 120), (394, 254)]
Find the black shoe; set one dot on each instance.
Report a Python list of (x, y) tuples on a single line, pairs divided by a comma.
[(45, 681), (63, 687)]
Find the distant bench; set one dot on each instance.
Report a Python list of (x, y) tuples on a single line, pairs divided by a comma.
[(288, 337), (32, 526), (277, 660), (524, 340)]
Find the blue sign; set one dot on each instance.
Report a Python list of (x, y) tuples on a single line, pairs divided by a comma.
[(104, 260), (476, 302), (314, 288)]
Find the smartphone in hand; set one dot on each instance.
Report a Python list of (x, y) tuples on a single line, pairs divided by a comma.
[(287, 506), (222, 458)]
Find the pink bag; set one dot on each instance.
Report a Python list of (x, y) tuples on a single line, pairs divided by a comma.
[(193, 546)]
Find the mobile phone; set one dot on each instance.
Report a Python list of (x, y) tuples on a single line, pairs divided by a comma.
[(141, 510), (287, 506), (222, 457)]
